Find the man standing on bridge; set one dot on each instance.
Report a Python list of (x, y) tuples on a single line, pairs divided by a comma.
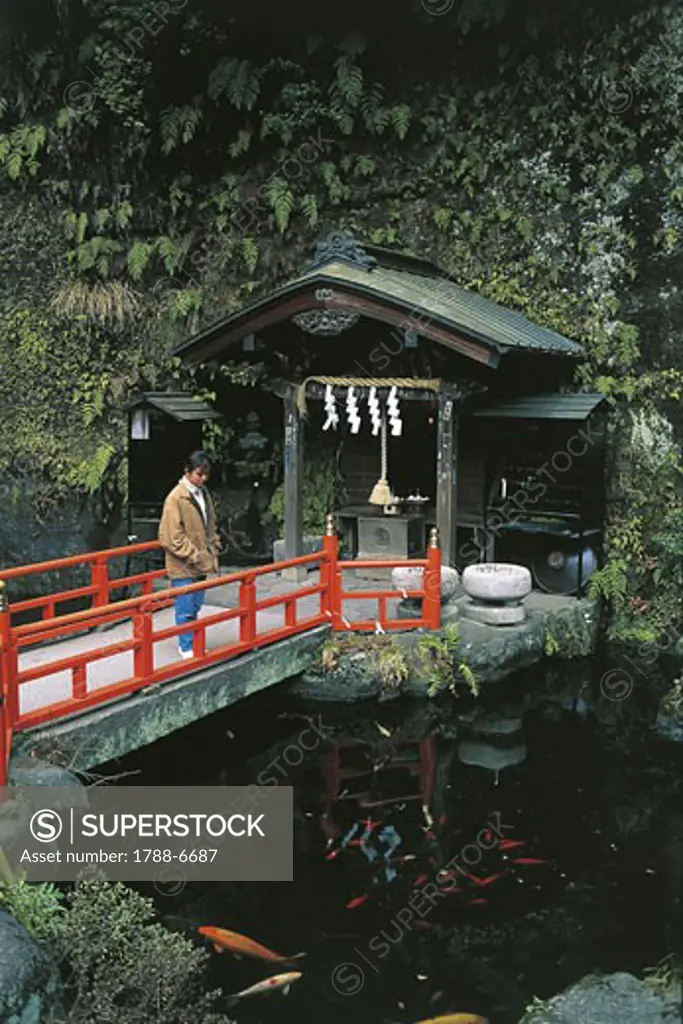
[(188, 535)]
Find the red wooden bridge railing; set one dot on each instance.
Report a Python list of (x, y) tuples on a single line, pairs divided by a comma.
[(52, 627)]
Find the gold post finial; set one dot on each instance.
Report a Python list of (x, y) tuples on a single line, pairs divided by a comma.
[(329, 525), (433, 537)]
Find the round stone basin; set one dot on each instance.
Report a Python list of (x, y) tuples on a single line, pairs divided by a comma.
[(410, 578), (497, 581)]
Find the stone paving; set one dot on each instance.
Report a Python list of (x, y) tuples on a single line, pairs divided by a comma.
[(118, 666)]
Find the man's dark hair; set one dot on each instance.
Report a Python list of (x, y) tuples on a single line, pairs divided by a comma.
[(197, 460)]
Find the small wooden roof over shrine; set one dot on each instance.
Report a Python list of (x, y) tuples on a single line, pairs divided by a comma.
[(575, 406), (179, 405), (365, 280)]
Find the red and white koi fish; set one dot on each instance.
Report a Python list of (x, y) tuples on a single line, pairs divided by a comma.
[(529, 860), (357, 901), (277, 983)]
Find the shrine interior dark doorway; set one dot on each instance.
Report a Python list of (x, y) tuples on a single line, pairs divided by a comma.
[(411, 457)]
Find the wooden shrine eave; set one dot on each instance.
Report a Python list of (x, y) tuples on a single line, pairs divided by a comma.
[(299, 296)]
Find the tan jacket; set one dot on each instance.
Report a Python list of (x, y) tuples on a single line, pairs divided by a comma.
[(191, 548)]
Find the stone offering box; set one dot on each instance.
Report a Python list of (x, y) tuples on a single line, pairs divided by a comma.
[(496, 592)]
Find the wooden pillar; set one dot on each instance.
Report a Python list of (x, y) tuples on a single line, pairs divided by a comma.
[(447, 473), (294, 482)]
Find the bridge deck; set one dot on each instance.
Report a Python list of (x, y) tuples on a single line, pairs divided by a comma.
[(57, 686)]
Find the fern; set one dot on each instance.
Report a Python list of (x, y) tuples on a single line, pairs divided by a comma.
[(179, 124), (14, 164), (336, 189), (81, 227), (365, 165), (20, 148), (95, 254), (442, 218), (281, 202), (349, 81), (185, 302), (92, 472), (399, 117), (241, 144), (309, 207), (469, 678), (342, 118), (101, 219), (250, 253), (138, 259), (375, 116), (610, 582), (550, 644), (237, 80), (123, 214), (169, 253)]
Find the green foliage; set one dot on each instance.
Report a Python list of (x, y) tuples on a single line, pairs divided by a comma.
[(440, 665), (281, 201), (551, 645), (178, 125), (237, 80), (118, 965), (309, 208), (121, 967), (517, 176), (39, 908), (666, 978), (392, 664), (322, 493)]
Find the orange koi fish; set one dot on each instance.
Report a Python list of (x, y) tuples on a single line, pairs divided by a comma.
[(356, 902), (278, 982), (529, 860), (510, 844), (456, 1018), (241, 945), (488, 880)]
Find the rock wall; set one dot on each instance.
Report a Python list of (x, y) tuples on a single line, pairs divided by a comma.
[(77, 525)]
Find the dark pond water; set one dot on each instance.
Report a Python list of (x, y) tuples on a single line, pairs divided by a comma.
[(567, 862)]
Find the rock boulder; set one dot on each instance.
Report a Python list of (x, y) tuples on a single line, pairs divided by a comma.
[(608, 999), (30, 987)]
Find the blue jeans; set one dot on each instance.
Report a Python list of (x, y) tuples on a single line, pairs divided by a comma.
[(186, 610)]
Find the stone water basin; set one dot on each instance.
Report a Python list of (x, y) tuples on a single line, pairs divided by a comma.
[(497, 582)]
